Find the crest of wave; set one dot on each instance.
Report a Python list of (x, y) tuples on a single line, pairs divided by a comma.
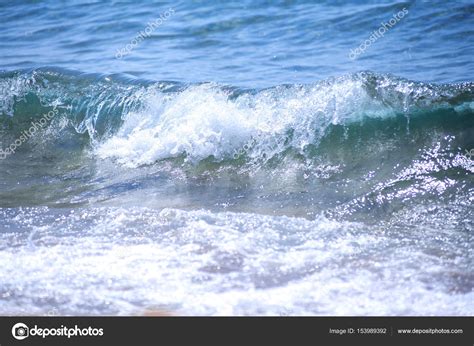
[(206, 121)]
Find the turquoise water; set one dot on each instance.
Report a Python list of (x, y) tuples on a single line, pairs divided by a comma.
[(236, 158)]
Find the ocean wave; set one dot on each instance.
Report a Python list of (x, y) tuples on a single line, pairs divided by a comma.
[(136, 122)]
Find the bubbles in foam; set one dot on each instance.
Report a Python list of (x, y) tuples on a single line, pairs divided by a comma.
[(124, 260), (204, 121)]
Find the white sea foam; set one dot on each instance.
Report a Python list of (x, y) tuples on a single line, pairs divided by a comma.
[(203, 121), (124, 261)]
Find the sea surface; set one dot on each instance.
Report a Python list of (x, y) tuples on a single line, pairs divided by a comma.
[(234, 157)]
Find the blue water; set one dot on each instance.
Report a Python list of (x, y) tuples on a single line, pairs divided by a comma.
[(241, 43), (236, 158)]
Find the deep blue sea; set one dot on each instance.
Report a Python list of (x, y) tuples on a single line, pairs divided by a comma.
[(236, 157)]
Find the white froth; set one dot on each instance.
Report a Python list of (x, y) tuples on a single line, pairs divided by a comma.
[(203, 121), (124, 261)]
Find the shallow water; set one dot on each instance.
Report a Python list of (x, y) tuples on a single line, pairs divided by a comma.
[(236, 162)]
